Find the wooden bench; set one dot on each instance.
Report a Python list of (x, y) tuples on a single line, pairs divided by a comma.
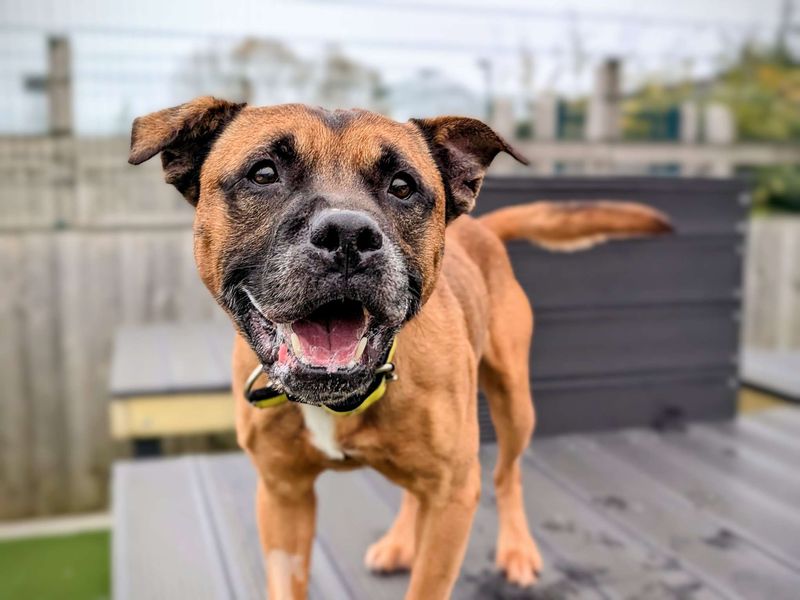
[(170, 379), (709, 512)]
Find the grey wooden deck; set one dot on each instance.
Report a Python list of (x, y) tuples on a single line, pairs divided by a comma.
[(708, 512)]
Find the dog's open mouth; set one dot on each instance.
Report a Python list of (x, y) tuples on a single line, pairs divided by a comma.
[(333, 337), (339, 337)]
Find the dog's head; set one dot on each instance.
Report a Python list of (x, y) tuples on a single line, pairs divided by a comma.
[(320, 233)]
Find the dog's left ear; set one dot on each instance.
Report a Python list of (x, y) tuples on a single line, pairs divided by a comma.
[(183, 135), (463, 148)]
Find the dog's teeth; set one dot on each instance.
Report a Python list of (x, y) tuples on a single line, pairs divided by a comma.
[(362, 345), (296, 346)]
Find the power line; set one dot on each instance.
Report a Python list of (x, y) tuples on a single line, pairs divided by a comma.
[(513, 12), (469, 48)]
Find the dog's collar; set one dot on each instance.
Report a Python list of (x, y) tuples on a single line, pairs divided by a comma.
[(269, 396)]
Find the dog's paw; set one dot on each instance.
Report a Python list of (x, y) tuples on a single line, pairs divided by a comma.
[(390, 554), (519, 559)]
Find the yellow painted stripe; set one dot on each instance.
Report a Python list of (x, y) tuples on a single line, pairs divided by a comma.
[(751, 400), (171, 414)]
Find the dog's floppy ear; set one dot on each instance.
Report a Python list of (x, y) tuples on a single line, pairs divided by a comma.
[(463, 148), (183, 135)]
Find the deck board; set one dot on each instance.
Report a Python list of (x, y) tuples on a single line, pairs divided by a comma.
[(343, 500), (163, 545), (783, 421), (171, 357), (478, 578), (739, 504), (749, 433), (648, 506), (701, 514), (740, 461), (592, 548), (230, 484)]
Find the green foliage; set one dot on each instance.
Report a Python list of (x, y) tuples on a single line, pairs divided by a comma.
[(762, 88), (649, 114), (72, 567), (524, 130), (571, 118), (777, 188)]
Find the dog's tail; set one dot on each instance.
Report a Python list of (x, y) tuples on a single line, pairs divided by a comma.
[(571, 226)]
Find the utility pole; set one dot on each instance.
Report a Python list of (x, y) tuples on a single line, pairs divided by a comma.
[(603, 120), (786, 29), (57, 85), (528, 94), (486, 66)]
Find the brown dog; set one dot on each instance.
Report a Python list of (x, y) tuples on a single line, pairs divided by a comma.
[(325, 236)]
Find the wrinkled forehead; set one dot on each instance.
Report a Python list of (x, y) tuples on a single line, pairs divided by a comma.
[(329, 142)]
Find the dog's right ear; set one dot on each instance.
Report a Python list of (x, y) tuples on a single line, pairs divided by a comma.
[(463, 149), (183, 135)]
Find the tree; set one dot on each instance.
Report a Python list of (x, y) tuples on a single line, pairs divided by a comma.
[(762, 89)]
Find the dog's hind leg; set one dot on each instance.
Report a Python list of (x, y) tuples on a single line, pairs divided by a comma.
[(395, 550), (504, 380)]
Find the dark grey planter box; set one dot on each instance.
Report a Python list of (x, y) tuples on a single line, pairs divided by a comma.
[(638, 332)]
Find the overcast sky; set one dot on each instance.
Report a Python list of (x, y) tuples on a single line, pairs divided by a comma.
[(146, 39)]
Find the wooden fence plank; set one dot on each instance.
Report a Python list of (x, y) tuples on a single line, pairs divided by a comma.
[(44, 373), (772, 301), (16, 476)]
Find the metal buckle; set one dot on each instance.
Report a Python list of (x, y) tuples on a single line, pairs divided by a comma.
[(248, 385), (388, 370)]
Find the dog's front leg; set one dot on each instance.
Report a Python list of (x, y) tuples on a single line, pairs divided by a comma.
[(286, 521), (443, 526)]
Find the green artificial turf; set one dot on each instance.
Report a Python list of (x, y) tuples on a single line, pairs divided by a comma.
[(72, 567)]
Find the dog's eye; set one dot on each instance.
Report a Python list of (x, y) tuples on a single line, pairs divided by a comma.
[(263, 173), (402, 186)]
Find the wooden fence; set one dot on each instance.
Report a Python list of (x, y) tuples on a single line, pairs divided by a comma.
[(772, 284), (88, 243)]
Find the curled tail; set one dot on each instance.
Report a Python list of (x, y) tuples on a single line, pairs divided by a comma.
[(570, 226)]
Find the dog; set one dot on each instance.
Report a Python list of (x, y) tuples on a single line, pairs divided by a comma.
[(340, 245)]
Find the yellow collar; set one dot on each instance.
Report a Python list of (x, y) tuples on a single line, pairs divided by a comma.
[(268, 396)]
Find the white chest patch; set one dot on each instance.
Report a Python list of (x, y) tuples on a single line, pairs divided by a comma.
[(322, 428)]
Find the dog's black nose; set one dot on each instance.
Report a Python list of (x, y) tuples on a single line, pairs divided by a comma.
[(347, 233)]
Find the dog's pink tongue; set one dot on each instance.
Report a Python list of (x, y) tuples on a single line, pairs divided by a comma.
[(329, 342)]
